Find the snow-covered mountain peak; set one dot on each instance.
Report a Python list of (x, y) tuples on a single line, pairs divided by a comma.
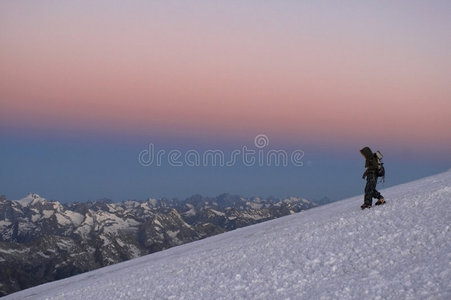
[(30, 198), (152, 202)]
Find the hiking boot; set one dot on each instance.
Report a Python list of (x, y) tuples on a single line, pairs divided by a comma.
[(365, 206), (380, 201)]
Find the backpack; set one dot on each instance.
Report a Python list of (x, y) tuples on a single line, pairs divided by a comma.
[(380, 165)]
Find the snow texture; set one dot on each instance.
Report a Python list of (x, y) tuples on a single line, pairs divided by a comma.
[(30, 198), (400, 250)]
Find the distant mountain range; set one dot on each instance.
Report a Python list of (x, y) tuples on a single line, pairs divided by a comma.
[(42, 241)]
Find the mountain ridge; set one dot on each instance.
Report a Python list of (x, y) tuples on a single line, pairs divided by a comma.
[(396, 251), (43, 240)]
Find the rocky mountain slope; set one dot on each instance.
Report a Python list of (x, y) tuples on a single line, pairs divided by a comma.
[(43, 240)]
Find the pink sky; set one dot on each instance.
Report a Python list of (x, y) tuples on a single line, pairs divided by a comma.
[(290, 70)]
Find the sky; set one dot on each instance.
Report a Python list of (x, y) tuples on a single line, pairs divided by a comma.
[(86, 87)]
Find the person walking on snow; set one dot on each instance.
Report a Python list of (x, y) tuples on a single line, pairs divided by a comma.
[(372, 166)]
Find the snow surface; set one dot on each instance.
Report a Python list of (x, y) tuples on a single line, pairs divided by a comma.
[(47, 213), (401, 250), (75, 217), (29, 198), (4, 223)]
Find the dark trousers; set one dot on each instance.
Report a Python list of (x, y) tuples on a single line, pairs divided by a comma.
[(370, 189)]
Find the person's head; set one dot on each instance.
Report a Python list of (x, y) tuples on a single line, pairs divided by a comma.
[(366, 152)]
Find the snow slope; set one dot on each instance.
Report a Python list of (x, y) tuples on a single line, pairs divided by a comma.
[(401, 250)]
